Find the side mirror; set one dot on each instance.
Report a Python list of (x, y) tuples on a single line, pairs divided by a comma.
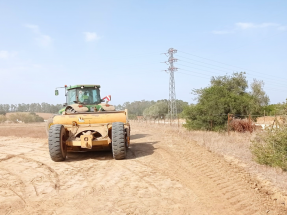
[(56, 92), (65, 104)]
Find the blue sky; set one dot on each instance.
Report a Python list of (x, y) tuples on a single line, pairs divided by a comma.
[(119, 45)]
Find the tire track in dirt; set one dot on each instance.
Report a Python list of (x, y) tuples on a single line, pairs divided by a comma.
[(211, 172), (54, 183), (189, 181), (7, 177), (231, 183), (11, 186), (35, 174), (214, 188), (156, 192)]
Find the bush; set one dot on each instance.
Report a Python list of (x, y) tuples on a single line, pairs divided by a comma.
[(2, 118), (13, 117), (242, 125), (23, 117), (2, 112), (132, 116), (270, 147)]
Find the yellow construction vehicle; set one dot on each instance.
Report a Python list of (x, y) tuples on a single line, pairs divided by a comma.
[(87, 123)]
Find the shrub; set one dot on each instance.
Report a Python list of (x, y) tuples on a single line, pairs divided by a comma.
[(132, 116), (2, 112), (2, 118), (242, 125), (23, 117), (13, 118), (270, 147)]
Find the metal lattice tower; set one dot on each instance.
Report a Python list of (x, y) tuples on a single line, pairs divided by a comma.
[(172, 98)]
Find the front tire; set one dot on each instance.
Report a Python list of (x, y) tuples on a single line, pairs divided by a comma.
[(57, 143), (49, 123), (118, 141)]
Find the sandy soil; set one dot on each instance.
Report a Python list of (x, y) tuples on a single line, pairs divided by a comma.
[(163, 174)]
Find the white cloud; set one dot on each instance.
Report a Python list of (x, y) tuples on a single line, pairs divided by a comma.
[(91, 36), (249, 25), (241, 26), (35, 28), (5, 54), (43, 40)]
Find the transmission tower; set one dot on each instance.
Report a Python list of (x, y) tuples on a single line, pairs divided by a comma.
[(172, 98)]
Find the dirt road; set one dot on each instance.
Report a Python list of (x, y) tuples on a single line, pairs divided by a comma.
[(162, 175)]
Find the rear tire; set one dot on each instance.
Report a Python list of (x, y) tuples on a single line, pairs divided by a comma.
[(118, 141), (57, 143)]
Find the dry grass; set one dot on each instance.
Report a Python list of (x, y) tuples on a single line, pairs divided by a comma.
[(235, 148), (34, 130)]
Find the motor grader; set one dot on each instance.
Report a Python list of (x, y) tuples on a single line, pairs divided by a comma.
[(87, 123)]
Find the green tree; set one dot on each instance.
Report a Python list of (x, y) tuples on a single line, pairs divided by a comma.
[(226, 94), (260, 99), (135, 108), (160, 109)]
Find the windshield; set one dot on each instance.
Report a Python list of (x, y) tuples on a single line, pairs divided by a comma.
[(85, 96)]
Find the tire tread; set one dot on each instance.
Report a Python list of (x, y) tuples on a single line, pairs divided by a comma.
[(118, 141), (55, 143)]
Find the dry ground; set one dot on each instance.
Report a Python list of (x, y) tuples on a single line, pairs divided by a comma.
[(34, 130), (166, 172)]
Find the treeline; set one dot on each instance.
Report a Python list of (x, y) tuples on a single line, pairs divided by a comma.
[(33, 107), (150, 109)]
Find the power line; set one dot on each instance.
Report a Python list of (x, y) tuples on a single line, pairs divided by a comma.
[(228, 64), (274, 89), (204, 62), (272, 80), (248, 74)]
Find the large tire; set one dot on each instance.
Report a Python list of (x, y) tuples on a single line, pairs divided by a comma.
[(118, 141), (49, 123), (57, 143)]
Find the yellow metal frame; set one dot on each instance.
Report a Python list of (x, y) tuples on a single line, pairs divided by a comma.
[(94, 143), (100, 122)]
